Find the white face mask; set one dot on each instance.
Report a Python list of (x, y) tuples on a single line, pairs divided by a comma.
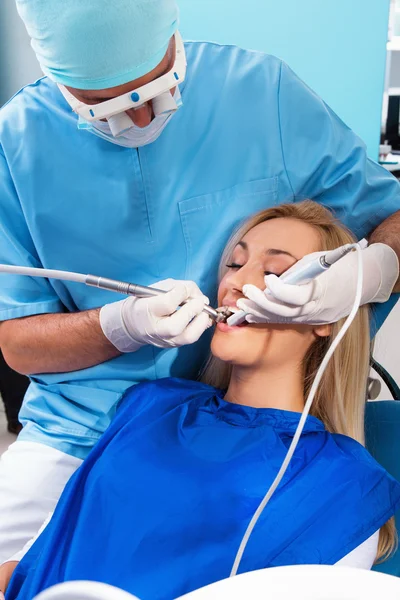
[(135, 136)]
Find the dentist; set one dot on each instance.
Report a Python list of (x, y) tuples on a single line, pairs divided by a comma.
[(134, 158)]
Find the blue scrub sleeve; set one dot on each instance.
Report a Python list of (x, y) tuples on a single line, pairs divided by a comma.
[(327, 162), (19, 296)]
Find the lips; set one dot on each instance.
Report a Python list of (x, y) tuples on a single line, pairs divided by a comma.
[(225, 328)]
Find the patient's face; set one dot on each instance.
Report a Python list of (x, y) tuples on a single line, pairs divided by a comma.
[(270, 247)]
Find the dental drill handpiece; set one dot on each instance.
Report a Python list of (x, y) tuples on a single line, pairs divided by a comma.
[(140, 291), (305, 273), (112, 285)]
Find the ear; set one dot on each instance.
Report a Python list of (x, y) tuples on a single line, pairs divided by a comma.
[(322, 330)]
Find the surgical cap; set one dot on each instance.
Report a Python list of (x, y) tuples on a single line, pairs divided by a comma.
[(95, 44)]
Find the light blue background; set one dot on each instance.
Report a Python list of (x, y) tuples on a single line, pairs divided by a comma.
[(337, 46)]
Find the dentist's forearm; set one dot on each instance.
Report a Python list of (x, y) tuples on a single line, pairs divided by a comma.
[(388, 233), (55, 343)]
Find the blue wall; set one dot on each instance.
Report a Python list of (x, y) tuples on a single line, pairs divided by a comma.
[(337, 46)]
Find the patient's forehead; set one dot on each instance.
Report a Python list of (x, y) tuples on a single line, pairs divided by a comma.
[(291, 235)]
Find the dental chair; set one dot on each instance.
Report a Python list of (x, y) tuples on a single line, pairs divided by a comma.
[(84, 590), (299, 582), (382, 428)]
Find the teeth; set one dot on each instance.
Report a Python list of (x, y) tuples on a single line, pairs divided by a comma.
[(232, 309)]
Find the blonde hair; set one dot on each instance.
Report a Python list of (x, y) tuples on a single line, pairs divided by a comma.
[(340, 400)]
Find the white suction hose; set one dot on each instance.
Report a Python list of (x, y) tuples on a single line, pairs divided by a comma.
[(46, 273)]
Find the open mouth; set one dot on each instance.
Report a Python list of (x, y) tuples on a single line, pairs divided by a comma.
[(225, 328), (235, 317)]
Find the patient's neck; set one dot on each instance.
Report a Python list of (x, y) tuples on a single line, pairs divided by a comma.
[(278, 388)]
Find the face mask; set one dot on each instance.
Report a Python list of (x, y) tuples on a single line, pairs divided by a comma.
[(135, 136)]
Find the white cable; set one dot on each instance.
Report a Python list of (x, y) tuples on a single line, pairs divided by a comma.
[(304, 415), (47, 273)]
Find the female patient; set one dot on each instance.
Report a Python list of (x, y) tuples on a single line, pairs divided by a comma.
[(162, 502)]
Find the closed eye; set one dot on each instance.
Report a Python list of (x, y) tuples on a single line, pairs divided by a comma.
[(237, 266)]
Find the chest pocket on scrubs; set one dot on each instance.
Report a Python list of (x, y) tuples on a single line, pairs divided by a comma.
[(208, 221)]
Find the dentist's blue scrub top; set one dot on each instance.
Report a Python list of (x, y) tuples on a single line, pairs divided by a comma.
[(250, 135)]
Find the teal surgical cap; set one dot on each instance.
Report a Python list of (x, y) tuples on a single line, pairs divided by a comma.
[(95, 44)]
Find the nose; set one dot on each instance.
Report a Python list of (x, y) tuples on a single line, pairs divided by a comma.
[(142, 116), (235, 280)]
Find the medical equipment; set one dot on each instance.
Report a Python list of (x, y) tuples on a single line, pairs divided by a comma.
[(84, 590), (112, 285), (302, 582), (129, 135), (114, 110), (298, 582), (335, 254), (305, 273), (388, 380)]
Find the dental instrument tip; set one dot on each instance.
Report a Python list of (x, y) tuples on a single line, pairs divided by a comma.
[(223, 314)]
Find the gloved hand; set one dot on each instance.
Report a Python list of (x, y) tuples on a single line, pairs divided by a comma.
[(135, 322), (327, 298)]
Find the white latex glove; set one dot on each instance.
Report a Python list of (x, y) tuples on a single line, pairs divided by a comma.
[(327, 298), (135, 322)]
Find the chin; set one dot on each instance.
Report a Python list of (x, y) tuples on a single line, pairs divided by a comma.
[(236, 345)]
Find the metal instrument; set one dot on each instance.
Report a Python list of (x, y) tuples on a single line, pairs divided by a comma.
[(143, 291), (112, 285)]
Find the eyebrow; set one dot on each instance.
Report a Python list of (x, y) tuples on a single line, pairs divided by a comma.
[(270, 251)]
